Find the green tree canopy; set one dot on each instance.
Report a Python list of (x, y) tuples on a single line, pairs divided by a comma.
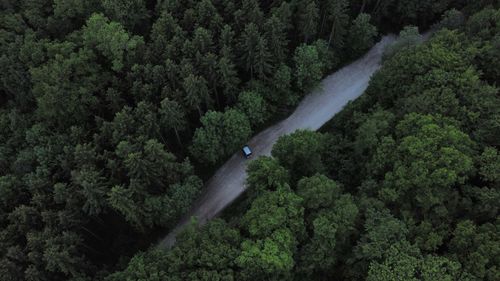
[(301, 152), (308, 67), (221, 135)]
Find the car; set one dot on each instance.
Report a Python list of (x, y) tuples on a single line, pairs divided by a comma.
[(247, 152)]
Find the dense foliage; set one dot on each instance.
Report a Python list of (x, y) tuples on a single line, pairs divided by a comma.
[(403, 184), (111, 110)]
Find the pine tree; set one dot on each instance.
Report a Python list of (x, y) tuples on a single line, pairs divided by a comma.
[(172, 117), (339, 18), (249, 13), (228, 76), (196, 90), (249, 43), (262, 59), (275, 33), (308, 19)]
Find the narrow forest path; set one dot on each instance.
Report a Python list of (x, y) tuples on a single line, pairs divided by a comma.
[(315, 110)]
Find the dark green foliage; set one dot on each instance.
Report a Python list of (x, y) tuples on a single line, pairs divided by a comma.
[(427, 162), (309, 67), (270, 258), (361, 35), (222, 134), (452, 19), (407, 38), (206, 254), (309, 19), (99, 105), (265, 173), (332, 228), (404, 261), (484, 28), (336, 14), (110, 39), (254, 106), (301, 153), (144, 266), (287, 212), (281, 93), (403, 184), (131, 14), (274, 222), (318, 191), (477, 248)]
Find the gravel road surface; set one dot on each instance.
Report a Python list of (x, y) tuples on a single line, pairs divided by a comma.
[(315, 110)]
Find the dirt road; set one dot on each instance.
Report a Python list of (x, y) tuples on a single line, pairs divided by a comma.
[(315, 110)]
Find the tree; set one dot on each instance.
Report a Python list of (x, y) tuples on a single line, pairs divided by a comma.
[(70, 15), (196, 90), (483, 27), (166, 34), (237, 130), (330, 242), (255, 53), (276, 36), (265, 173), (484, 24), (93, 187), (405, 262), (330, 59), (250, 13), (61, 255), (66, 99), (131, 14), (90, 103), (228, 76), (262, 59), (207, 15), (151, 266), (111, 40), (452, 19), (317, 191), (430, 160), (361, 35), (370, 132), (476, 247), (221, 135), (9, 269), (158, 189), (206, 253), (9, 192), (172, 117), (308, 67), (202, 40), (121, 200), (490, 165), (382, 231), (208, 141), (209, 252), (408, 37), (300, 153), (282, 94), (308, 19), (274, 210), (270, 258), (339, 17), (254, 106), (275, 223), (226, 40)]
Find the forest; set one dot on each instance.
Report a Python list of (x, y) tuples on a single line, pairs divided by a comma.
[(113, 114)]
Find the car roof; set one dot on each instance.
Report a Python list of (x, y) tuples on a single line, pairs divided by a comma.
[(247, 149)]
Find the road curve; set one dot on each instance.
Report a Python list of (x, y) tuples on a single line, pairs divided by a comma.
[(315, 110)]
